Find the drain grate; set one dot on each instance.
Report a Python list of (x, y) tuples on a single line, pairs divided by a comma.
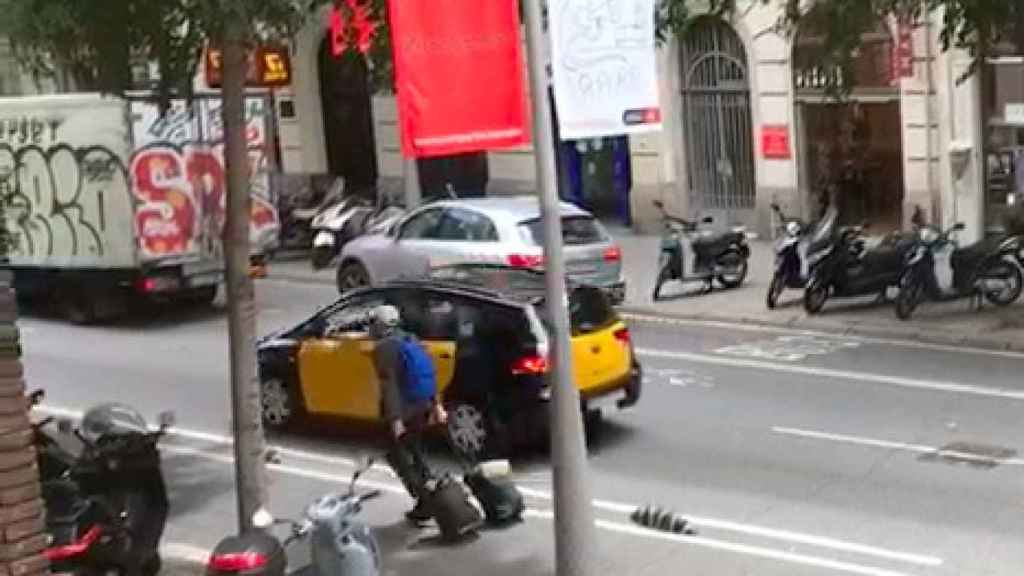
[(972, 454)]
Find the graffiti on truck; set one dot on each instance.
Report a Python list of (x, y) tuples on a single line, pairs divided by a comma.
[(178, 177), (55, 197), (182, 199)]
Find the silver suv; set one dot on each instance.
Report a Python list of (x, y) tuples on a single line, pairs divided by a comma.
[(502, 231)]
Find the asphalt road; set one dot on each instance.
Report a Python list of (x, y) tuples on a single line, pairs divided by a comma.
[(791, 453)]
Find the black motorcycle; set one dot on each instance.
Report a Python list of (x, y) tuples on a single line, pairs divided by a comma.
[(938, 270), (106, 511), (791, 251), (688, 254), (841, 266)]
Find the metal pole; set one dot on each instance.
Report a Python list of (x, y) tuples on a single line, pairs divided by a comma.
[(413, 194), (245, 393), (574, 521)]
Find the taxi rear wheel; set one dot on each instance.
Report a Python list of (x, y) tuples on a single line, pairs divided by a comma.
[(279, 405), (472, 432)]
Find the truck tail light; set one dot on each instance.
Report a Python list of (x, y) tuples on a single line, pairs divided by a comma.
[(154, 284), (622, 335)]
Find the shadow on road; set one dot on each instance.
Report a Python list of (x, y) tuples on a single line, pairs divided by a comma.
[(193, 482)]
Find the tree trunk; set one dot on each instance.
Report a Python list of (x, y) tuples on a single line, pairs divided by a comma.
[(245, 393), (22, 520)]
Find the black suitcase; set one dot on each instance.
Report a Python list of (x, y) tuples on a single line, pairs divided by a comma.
[(450, 506), (498, 496)]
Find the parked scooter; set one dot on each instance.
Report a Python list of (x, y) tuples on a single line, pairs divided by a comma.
[(106, 511), (341, 544), (841, 265), (334, 226), (791, 250), (688, 254), (938, 270)]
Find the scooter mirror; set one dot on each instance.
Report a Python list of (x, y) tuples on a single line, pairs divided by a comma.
[(707, 220), (959, 227), (36, 397), (658, 204), (775, 207), (65, 426), (262, 519)]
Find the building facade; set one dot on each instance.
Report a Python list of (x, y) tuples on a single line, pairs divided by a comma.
[(749, 121)]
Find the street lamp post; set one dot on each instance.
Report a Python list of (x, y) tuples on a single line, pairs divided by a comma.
[(574, 522)]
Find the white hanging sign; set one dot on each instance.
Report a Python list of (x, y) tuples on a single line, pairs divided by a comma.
[(1014, 114), (603, 62)]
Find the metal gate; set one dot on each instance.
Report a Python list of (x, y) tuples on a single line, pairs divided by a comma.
[(716, 117)]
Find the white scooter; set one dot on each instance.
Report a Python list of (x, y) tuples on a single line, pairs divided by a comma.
[(336, 224)]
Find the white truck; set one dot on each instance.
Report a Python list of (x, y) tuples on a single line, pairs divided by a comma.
[(107, 200)]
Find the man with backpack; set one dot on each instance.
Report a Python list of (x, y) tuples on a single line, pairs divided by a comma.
[(408, 396)]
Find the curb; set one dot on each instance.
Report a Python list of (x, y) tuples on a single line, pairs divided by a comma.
[(913, 334)]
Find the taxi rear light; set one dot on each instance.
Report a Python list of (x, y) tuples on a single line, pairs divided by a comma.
[(622, 335), (530, 365)]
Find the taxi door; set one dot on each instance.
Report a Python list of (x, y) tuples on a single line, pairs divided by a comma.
[(338, 376)]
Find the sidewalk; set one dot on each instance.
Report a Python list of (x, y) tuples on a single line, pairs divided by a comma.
[(952, 323)]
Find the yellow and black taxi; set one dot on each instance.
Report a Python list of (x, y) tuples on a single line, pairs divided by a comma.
[(485, 328)]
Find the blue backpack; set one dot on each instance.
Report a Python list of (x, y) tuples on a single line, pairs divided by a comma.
[(420, 377)]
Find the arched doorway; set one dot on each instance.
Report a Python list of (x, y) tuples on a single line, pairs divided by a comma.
[(850, 130), (716, 117), (348, 118)]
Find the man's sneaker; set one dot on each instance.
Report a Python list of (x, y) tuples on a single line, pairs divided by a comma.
[(419, 514)]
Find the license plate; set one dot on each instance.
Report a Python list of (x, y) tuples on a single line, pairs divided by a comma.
[(205, 279), (190, 269)]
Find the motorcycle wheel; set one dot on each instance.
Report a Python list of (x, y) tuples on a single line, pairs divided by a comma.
[(815, 297), (909, 297), (1012, 278), (775, 290), (736, 277)]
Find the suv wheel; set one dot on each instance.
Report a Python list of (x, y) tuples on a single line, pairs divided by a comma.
[(279, 406), (469, 431)]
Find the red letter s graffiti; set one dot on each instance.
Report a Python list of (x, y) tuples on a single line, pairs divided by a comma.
[(165, 221)]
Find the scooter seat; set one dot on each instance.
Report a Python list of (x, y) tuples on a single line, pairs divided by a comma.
[(715, 243), (970, 256)]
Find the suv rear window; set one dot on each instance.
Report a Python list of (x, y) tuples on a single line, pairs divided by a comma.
[(576, 231), (589, 311)]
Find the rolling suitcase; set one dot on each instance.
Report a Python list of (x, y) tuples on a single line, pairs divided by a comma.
[(449, 504), (498, 496)]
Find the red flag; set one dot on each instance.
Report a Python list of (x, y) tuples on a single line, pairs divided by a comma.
[(459, 74)]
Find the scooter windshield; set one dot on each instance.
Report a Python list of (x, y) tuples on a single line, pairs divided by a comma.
[(112, 419), (825, 227)]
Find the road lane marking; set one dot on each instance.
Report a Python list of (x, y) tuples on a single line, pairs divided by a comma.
[(770, 533), (744, 549), (618, 527), (781, 330), (890, 445), (725, 525), (223, 440), (828, 373)]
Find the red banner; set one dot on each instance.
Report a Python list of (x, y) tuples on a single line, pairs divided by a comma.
[(459, 74)]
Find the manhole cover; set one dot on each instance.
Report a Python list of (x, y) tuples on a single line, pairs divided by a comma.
[(970, 453)]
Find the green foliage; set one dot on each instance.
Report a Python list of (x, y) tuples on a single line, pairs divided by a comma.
[(97, 42)]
